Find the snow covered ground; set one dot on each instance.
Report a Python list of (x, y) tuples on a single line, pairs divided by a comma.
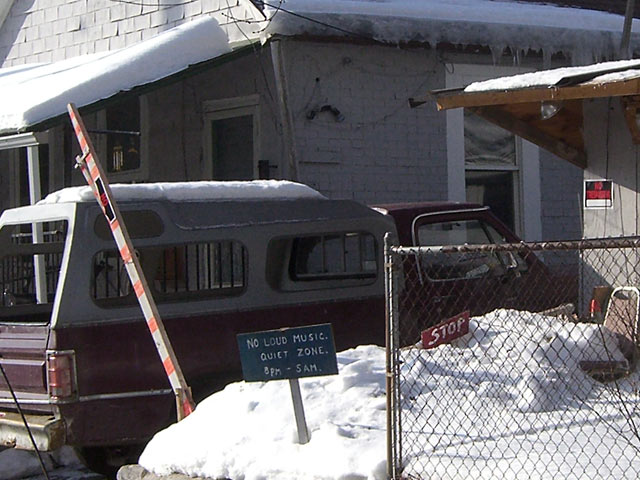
[(506, 400), (516, 368)]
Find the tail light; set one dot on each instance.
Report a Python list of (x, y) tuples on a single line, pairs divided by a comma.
[(61, 375)]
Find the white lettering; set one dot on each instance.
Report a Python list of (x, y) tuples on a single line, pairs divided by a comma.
[(309, 337), (304, 368), (280, 354), (311, 351), (274, 341), (272, 372)]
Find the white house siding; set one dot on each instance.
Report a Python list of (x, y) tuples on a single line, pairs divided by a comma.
[(383, 150), (52, 30), (561, 198)]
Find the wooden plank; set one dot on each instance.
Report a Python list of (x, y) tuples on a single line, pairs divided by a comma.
[(446, 100), (504, 119), (631, 106), (566, 125)]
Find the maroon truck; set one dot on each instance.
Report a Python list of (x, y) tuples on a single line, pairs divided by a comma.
[(73, 342)]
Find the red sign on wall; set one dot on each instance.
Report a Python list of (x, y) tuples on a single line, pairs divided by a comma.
[(598, 194), (446, 331)]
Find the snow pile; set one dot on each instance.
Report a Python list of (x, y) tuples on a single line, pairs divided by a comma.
[(35, 92), (518, 368), (587, 35), (247, 431), (192, 191)]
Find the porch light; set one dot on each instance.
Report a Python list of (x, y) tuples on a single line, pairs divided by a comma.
[(549, 109)]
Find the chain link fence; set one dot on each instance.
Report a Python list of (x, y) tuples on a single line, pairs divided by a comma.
[(514, 361)]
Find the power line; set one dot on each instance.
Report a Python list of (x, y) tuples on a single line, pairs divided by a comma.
[(279, 8)]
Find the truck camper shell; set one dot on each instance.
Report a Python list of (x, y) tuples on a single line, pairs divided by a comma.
[(221, 258)]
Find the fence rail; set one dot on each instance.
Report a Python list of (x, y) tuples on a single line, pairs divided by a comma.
[(514, 360)]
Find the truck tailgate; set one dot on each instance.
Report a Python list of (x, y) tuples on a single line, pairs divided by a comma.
[(22, 355)]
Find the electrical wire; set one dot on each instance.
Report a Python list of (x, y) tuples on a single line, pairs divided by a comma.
[(279, 8)]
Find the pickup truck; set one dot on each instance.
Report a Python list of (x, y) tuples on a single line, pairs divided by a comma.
[(221, 258)]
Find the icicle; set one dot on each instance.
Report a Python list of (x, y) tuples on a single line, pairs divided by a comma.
[(546, 58), (517, 56), (496, 54)]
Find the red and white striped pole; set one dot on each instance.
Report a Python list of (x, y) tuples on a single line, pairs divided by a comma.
[(93, 173)]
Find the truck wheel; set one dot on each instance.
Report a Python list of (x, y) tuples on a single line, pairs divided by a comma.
[(107, 460)]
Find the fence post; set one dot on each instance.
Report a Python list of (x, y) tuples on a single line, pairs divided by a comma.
[(390, 352)]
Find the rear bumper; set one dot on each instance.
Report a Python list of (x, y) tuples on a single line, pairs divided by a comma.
[(48, 431)]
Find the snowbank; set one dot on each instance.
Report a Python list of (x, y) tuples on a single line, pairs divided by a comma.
[(517, 367), (192, 191)]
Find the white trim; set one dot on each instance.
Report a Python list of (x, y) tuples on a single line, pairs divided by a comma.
[(22, 140), (531, 195), (528, 211)]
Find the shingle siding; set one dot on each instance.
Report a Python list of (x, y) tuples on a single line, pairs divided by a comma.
[(31, 25), (382, 150)]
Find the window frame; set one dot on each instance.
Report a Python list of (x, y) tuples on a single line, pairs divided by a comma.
[(526, 171), (142, 172), (228, 108)]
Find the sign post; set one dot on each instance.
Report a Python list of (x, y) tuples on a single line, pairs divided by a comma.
[(289, 353)]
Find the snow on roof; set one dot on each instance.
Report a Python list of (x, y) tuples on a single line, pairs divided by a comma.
[(191, 191), (246, 431), (32, 93), (587, 35), (602, 72)]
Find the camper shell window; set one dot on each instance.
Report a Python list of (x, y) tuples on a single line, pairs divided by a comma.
[(30, 264), (333, 256), (174, 272)]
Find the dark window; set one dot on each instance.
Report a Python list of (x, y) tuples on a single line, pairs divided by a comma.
[(232, 148), (123, 139), (175, 272), (334, 256), (30, 259)]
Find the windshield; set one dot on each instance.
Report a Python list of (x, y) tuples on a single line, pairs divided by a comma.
[(449, 266), (30, 265)]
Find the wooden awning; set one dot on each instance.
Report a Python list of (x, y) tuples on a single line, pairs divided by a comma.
[(519, 109)]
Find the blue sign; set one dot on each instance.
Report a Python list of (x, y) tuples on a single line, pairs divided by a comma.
[(288, 353)]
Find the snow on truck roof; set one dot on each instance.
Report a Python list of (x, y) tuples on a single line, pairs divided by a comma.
[(192, 192)]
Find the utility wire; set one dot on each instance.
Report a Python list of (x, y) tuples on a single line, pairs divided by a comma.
[(279, 8)]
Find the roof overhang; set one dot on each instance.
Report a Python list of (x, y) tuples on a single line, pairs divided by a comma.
[(519, 109), (35, 96)]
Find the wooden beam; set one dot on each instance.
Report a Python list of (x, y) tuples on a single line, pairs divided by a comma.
[(631, 105), (509, 122), (455, 99)]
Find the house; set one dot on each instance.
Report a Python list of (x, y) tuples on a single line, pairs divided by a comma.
[(313, 91)]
